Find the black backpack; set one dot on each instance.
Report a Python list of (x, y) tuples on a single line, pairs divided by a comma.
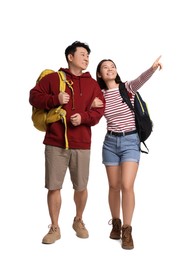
[(143, 121)]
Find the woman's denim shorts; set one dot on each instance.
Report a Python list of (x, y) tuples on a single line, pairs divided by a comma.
[(118, 149)]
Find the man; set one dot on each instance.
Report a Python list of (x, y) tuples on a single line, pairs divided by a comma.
[(70, 149)]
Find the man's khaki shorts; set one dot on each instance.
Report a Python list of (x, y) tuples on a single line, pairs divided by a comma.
[(58, 160)]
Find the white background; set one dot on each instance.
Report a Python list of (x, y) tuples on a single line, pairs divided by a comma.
[(34, 36)]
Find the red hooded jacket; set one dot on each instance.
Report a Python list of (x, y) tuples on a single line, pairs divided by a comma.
[(45, 96)]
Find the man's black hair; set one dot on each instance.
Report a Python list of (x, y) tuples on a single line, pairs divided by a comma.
[(71, 49)]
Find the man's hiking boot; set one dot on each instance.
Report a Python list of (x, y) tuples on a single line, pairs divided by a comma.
[(80, 229), (52, 235), (127, 240), (116, 229)]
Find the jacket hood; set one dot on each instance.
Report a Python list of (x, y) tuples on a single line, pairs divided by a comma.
[(72, 76)]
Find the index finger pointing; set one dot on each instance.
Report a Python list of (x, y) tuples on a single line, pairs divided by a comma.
[(158, 58)]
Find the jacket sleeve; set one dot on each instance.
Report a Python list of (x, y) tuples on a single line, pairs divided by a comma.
[(92, 116), (45, 93)]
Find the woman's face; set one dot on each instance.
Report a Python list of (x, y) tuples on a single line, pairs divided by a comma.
[(108, 71)]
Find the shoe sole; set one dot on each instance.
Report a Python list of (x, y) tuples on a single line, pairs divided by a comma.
[(116, 238), (47, 243), (81, 236), (128, 248)]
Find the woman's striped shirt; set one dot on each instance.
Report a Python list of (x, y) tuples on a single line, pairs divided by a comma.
[(119, 117)]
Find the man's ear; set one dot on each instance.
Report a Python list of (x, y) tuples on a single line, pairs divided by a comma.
[(70, 57)]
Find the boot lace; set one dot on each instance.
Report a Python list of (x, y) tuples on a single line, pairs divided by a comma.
[(115, 223), (52, 230), (127, 232), (80, 223)]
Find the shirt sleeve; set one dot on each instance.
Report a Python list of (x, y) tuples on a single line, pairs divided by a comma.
[(136, 84)]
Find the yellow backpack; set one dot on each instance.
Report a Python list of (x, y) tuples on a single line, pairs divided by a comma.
[(41, 117)]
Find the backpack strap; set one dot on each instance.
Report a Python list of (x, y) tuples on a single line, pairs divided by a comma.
[(62, 112), (145, 147), (62, 77), (125, 96), (63, 82)]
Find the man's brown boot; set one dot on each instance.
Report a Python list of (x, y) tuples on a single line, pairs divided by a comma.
[(127, 240), (116, 230)]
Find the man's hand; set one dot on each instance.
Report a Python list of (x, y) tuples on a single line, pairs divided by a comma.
[(63, 98), (75, 119)]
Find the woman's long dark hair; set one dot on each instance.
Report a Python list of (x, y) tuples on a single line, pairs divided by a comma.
[(100, 80)]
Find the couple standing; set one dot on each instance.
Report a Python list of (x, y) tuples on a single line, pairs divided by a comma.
[(85, 104)]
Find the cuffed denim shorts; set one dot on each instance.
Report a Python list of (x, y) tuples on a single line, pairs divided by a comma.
[(118, 149)]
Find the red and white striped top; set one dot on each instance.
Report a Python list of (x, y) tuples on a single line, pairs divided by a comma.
[(119, 117)]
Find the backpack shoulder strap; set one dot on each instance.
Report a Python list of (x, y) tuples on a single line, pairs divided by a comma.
[(62, 77), (124, 94)]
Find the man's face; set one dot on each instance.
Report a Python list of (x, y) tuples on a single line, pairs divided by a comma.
[(80, 59)]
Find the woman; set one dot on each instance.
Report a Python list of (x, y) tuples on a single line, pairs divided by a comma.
[(121, 147)]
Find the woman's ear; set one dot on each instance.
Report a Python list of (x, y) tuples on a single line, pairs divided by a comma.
[(98, 75)]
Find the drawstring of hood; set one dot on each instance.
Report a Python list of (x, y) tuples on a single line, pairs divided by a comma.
[(80, 87), (72, 79)]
